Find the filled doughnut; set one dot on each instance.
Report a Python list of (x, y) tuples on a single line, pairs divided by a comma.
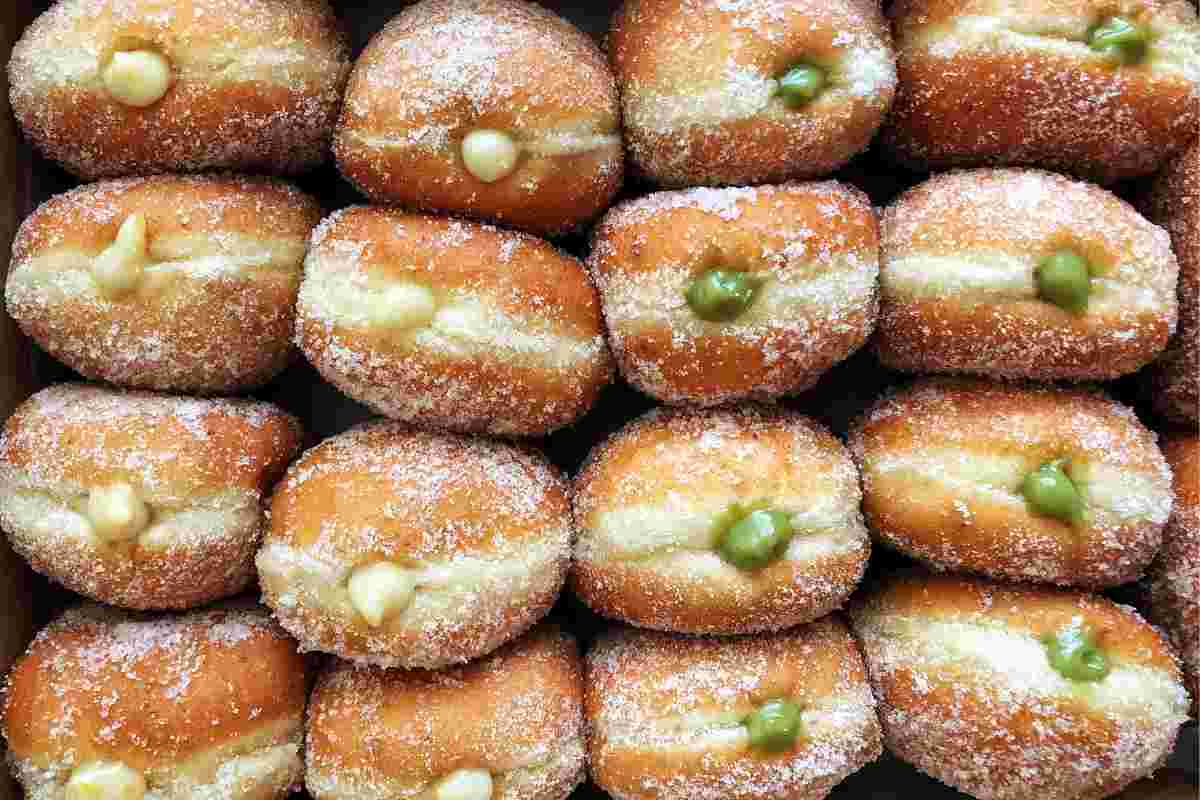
[(716, 92), (141, 500), (1008, 692), (106, 705), (1101, 89), (717, 295), (1020, 482), (181, 284), (495, 109), (404, 548), (1022, 274), (1174, 203), (784, 715), (451, 324), (507, 727), (730, 521), (110, 88)]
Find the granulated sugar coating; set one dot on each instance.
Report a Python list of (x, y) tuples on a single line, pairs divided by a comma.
[(256, 85)]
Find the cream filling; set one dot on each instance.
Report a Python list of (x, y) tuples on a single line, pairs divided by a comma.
[(556, 142)]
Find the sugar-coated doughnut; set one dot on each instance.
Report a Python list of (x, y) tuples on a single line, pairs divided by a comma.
[(451, 324), (494, 109), (1022, 274), (1174, 579), (727, 521), (1022, 482), (141, 500), (716, 92), (1174, 203), (109, 88), (119, 706), (1007, 692), (785, 715), (405, 548), (1105, 90), (172, 283), (716, 295), (508, 727)]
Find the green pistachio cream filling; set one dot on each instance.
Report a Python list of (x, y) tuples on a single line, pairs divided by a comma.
[(1074, 654), (1050, 491), (801, 84), (1064, 278), (774, 726), (720, 295), (751, 537), (1120, 40)]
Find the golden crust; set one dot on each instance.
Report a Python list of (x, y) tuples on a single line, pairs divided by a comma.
[(218, 320), (517, 713), (257, 85), (537, 364), (819, 240), (942, 462), (1025, 89), (957, 292), (202, 466), (442, 68), (641, 684), (677, 464)]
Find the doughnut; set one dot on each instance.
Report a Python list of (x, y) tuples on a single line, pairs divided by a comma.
[(397, 547), (1008, 692), (507, 727), (1022, 274), (728, 521), (1105, 90), (1174, 579), (717, 295), (494, 109), (1174, 203), (171, 283), (451, 324), (140, 500), (1027, 483), (716, 92), (110, 88), (784, 715), (120, 706)]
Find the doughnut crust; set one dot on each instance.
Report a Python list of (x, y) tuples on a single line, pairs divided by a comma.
[(699, 81), (665, 714), (197, 468), (479, 531), (958, 290), (1174, 578), (943, 462), (816, 246), (1174, 203), (648, 504), (990, 83), (255, 85), (518, 714), (208, 704), (967, 693), (443, 69), (210, 306)]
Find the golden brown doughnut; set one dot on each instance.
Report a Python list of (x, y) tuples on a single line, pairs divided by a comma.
[(508, 727), (451, 324), (496, 109), (700, 82), (961, 287), (670, 717), (133, 87), (208, 704), (404, 548), (663, 504), (944, 464), (968, 691), (172, 283), (1174, 203), (811, 252), (141, 500), (986, 83)]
